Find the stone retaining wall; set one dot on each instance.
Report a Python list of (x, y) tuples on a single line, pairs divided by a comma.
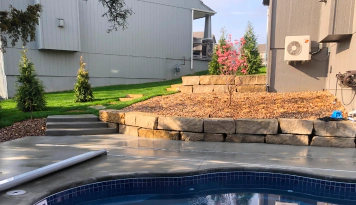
[(219, 83), (270, 131)]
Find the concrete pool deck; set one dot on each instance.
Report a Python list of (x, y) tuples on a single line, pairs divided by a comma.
[(132, 156)]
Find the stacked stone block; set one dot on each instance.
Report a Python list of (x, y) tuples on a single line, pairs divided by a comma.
[(334, 134), (220, 84), (271, 131)]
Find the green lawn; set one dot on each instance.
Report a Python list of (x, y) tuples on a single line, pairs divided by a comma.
[(63, 102), (59, 103), (262, 70)]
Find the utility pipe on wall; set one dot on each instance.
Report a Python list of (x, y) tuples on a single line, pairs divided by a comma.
[(37, 173)]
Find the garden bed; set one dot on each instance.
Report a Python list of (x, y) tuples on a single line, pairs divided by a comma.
[(298, 105)]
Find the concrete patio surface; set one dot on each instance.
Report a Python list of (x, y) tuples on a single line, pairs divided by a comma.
[(132, 156)]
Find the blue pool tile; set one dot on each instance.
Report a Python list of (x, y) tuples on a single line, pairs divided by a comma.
[(239, 178)]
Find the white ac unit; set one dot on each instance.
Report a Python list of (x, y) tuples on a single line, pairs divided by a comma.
[(297, 48)]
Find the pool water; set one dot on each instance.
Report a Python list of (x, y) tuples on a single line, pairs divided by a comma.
[(238, 198), (221, 188)]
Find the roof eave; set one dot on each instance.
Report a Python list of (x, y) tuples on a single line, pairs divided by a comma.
[(207, 7), (266, 2)]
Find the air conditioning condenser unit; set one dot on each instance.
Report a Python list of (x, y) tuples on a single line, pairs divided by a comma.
[(297, 48)]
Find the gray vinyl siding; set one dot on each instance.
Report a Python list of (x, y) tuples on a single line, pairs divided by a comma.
[(157, 38), (295, 18), (344, 16), (49, 35), (337, 18), (326, 25), (320, 20), (342, 59)]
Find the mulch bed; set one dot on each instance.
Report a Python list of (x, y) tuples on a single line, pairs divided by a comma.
[(34, 127), (298, 105)]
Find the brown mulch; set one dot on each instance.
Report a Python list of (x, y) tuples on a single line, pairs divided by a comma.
[(298, 105), (34, 127)]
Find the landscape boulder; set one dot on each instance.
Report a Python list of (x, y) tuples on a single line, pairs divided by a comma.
[(129, 130), (256, 126), (191, 136), (251, 80), (130, 118), (251, 89), (340, 142), (288, 139), (113, 116), (335, 128), (222, 89), (190, 80), (146, 133), (167, 135), (219, 125), (208, 137), (186, 89), (245, 138), (146, 120), (185, 124), (215, 80), (203, 88), (296, 126)]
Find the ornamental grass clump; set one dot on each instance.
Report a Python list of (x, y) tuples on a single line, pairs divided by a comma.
[(30, 91), (82, 88)]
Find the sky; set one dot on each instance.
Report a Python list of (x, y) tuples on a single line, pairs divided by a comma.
[(234, 16)]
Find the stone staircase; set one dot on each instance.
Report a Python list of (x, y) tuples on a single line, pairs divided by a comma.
[(67, 125), (174, 87), (130, 97)]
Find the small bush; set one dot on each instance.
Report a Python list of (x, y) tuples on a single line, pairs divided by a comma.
[(82, 89), (30, 91), (214, 66)]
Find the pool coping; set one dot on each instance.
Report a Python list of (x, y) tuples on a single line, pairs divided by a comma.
[(135, 157)]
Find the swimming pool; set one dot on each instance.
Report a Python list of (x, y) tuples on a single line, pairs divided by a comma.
[(258, 188)]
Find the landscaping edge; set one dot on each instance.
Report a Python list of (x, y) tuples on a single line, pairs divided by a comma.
[(270, 131)]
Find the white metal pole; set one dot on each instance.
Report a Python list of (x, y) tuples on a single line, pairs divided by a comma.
[(37, 173)]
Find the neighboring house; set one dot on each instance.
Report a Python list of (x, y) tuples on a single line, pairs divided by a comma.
[(159, 37), (331, 25), (198, 44), (263, 54)]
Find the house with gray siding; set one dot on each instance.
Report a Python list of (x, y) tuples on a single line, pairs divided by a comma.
[(331, 25), (159, 37)]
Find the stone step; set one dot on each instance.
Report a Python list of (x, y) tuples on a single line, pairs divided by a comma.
[(86, 131), (65, 125), (126, 99), (172, 89), (73, 118), (134, 95), (176, 85)]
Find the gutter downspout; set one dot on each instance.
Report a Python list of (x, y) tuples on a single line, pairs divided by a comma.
[(268, 44), (37, 173), (192, 44)]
